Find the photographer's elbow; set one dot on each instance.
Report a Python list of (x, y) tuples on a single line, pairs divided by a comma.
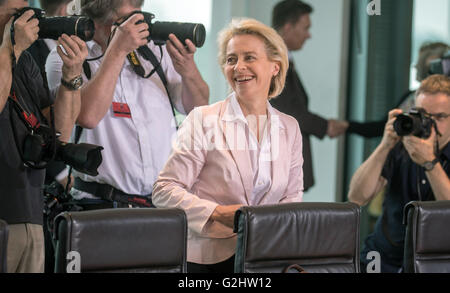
[(352, 197), (87, 122)]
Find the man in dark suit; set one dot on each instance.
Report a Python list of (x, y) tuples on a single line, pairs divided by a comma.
[(291, 19)]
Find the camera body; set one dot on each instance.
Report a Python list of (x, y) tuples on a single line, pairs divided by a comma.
[(160, 30), (416, 123), (53, 27), (42, 145), (441, 66)]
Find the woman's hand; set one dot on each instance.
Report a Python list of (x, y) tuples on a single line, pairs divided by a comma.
[(225, 214)]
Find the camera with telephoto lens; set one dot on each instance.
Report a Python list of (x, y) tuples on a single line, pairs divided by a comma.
[(42, 146), (416, 123), (53, 27), (441, 65), (160, 30)]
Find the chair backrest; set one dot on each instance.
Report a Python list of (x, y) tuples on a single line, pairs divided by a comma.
[(122, 240), (3, 245), (319, 237), (427, 240)]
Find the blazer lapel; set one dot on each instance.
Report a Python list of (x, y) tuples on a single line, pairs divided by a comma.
[(234, 134), (277, 153)]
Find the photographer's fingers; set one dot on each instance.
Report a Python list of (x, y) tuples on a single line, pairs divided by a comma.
[(68, 45), (141, 27), (394, 113), (63, 55), (25, 17), (190, 46), (143, 31), (133, 19), (390, 137), (129, 36), (81, 45), (26, 31), (177, 45)]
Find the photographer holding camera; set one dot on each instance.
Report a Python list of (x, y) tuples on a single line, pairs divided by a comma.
[(23, 100), (412, 161), (124, 109)]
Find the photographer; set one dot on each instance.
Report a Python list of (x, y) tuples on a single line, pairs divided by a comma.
[(129, 114), (21, 86), (412, 168)]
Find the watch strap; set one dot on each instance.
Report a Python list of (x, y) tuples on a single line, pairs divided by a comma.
[(70, 84), (430, 164)]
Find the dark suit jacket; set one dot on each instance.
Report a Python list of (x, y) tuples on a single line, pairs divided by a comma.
[(294, 101)]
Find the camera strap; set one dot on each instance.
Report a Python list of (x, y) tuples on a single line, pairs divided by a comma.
[(13, 43), (148, 55), (29, 119), (32, 124)]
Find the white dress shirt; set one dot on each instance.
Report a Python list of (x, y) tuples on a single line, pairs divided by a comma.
[(136, 148), (259, 152)]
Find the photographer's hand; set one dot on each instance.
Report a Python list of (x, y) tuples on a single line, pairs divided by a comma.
[(26, 31), (73, 57), (182, 56), (421, 150), (195, 90), (390, 137), (129, 36)]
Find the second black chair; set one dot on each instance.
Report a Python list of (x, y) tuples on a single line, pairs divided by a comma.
[(427, 240), (315, 237)]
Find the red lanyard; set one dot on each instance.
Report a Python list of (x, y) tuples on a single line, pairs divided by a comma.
[(30, 118)]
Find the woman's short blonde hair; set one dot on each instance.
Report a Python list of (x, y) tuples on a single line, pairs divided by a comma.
[(275, 47)]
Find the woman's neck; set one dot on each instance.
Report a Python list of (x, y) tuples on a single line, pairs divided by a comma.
[(255, 112), (253, 107)]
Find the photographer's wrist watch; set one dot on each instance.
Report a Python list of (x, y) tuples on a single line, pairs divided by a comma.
[(430, 164), (73, 84)]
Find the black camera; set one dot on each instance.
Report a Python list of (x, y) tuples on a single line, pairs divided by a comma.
[(42, 145), (160, 30), (441, 66), (416, 123), (53, 27)]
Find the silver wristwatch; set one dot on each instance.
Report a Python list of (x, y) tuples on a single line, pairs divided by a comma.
[(73, 84), (430, 164)]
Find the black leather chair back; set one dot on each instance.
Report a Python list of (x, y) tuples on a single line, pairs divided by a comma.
[(319, 237), (427, 240), (3, 245), (122, 240)]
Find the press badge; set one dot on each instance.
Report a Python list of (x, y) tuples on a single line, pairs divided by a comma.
[(121, 110)]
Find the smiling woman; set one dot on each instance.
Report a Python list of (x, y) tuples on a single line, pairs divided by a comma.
[(261, 162), (268, 39)]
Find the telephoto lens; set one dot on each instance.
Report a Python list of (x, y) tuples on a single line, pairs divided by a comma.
[(160, 30), (54, 27)]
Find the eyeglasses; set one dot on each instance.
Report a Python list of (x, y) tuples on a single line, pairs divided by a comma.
[(439, 116)]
